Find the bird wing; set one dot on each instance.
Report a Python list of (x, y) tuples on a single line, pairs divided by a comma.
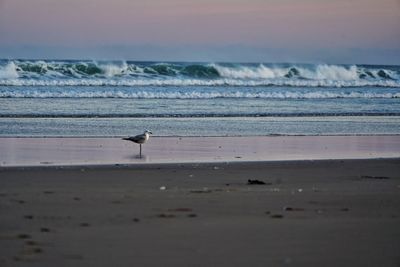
[(140, 139)]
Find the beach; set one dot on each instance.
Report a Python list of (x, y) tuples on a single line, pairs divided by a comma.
[(199, 133), (228, 212), (297, 168)]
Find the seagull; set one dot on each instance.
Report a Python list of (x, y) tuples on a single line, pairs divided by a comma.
[(139, 139)]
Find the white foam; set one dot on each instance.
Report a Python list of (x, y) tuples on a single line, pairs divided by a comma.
[(331, 72), (190, 94), (320, 72), (9, 71), (111, 70), (198, 82), (244, 72)]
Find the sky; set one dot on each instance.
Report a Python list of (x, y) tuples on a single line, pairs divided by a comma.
[(329, 31)]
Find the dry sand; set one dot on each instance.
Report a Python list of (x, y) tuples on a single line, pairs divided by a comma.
[(308, 213)]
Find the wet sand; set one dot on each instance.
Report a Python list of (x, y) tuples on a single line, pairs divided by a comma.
[(292, 213), (100, 151)]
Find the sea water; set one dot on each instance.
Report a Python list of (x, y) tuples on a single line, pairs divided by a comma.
[(118, 98)]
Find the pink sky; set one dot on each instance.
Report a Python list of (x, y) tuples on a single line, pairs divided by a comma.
[(309, 24)]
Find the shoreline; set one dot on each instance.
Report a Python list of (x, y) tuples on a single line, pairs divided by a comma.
[(111, 151), (196, 136), (247, 126)]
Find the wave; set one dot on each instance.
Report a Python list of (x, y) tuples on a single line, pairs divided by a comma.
[(91, 73), (192, 94), (8, 71)]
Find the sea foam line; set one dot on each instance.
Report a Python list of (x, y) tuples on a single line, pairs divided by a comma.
[(199, 82), (173, 94)]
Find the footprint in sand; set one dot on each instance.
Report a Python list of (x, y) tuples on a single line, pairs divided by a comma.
[(37, 250), (200, 191), (19, 201), (164, 215), (31, 243), (73, 256), (276, 216), (181, 210), (28, 255), (23, 236)]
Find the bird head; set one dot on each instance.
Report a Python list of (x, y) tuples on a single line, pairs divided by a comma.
[(148, 132)]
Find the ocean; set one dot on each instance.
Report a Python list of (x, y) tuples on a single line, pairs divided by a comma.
[(119, 98)]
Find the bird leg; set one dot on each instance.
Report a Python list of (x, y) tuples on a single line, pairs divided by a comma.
[(140, 151)]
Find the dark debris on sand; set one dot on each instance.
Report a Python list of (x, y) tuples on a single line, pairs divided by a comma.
[(292, 209), (257, 182), (374, 177), (204, 190)]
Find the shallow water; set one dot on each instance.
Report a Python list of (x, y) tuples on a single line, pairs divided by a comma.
[(87, 98)]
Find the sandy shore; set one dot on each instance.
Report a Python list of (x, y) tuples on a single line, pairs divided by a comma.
[(308, 213), (100, 151)]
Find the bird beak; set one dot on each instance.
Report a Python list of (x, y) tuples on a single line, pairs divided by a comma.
[(150, 133)]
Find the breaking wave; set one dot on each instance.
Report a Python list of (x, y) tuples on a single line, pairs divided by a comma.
[(91, 73)]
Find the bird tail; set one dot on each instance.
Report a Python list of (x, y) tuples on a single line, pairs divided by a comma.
[(125, 138)]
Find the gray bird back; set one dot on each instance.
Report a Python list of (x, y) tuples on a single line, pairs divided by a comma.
[(141, 138)]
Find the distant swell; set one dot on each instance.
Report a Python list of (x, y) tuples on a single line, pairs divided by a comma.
[(204, 115), (133, 74)]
